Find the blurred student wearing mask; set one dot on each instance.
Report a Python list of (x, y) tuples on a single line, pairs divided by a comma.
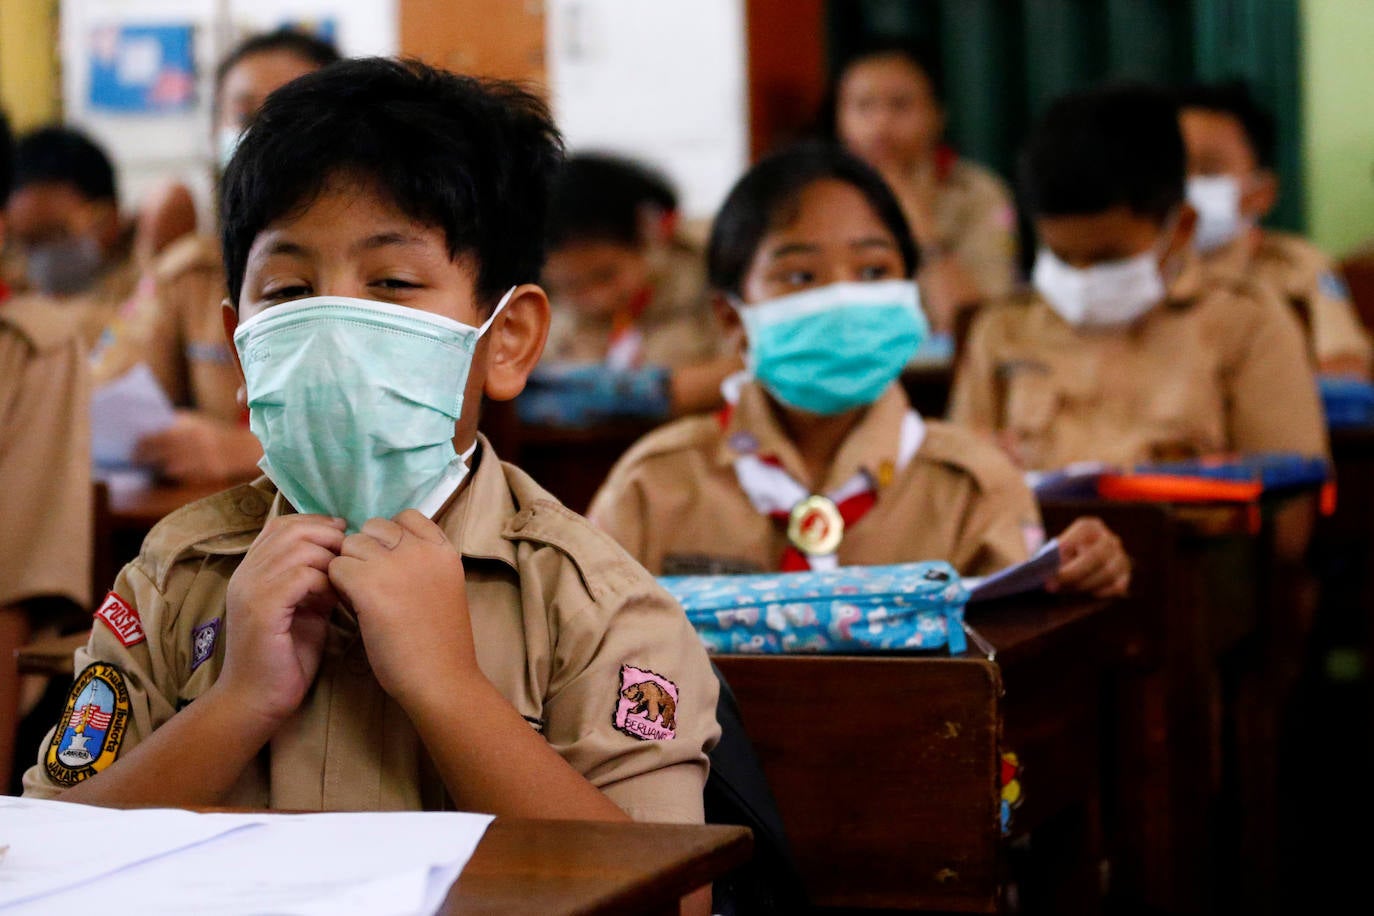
[(1127, 351), (886, 107), (65, 227), (175, 323), (1232, 185), (633, 334)]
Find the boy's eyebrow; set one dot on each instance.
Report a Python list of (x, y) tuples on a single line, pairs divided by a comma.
[(386, 239), (874, 241)]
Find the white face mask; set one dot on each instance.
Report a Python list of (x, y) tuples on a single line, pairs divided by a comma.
[(1216, 198), (1109, 295)]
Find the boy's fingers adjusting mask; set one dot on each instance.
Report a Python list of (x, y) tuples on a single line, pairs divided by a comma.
[(404, 580)]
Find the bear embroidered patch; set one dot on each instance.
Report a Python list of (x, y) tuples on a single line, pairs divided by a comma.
[(646, 707)]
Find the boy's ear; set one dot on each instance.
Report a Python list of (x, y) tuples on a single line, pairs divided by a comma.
[(1261, 194), (516, 341), (1181, 235), (231, 324), (731, 327)]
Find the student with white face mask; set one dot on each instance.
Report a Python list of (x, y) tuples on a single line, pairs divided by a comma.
[(1125, 351), (1232, 186)]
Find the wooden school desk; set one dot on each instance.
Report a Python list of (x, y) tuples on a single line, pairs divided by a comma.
[(886, 767), (1192, 810), (575, 867)]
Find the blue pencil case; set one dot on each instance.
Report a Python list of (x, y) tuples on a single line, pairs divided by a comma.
[(908, 607), (1348, 402)]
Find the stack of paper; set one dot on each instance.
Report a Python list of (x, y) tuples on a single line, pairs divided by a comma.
[(124, 411), (65, 857)]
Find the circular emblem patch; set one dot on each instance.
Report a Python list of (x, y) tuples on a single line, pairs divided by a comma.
[(92, 726)]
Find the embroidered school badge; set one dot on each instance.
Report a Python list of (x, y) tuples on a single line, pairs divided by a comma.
[(120, 616), (646, 707), (203, 639), (92, 726)]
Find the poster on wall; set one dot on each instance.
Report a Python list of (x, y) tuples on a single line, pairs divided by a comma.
[(145, 69)]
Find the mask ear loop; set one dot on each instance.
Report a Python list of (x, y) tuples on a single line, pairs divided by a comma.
[(500, 306)]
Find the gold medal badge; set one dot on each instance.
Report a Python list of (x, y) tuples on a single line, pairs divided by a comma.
[(815, 526)]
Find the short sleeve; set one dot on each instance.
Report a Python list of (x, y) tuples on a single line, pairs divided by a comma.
[(121, 689), (631, 703), (1003, 526), (973, 401), (986, 245)]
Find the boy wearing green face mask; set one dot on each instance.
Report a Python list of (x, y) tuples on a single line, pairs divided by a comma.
[(391, 618)]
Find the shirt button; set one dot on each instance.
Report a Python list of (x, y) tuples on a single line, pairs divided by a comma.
[(252, 505)]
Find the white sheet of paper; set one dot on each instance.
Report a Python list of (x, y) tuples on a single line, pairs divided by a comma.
[(54, 845), (1023, 577), (123, 411), (306, 864)]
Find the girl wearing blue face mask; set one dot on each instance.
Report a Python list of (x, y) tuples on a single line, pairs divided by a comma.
[(818, 460)]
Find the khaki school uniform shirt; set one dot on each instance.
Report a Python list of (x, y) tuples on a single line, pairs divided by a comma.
[(1219, 366), (45, 454), (175, 325), (1304, 276), (976, 222), (563, 621), (675, 503), (678, 328)]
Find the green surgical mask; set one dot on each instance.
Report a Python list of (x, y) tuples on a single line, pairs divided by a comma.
[(355, 402)]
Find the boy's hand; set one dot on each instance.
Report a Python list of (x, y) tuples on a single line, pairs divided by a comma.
[(278, 607), (405, 582), (198, 449), (1091, 560)]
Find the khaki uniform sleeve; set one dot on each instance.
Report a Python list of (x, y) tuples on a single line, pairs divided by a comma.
[(1336, 328), (637, 636), (1003, 526), (144, 667), (973, 401), (1271, 390), (987, 245), (45, 500), (150, 334), (620, 509)]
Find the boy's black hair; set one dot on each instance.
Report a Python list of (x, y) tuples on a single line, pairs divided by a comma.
[(472, 157), (1235, 99), (6, 157), (307, 47), (1114, 146), (766, 198), (600, 197), (61, 155), (919, 56)]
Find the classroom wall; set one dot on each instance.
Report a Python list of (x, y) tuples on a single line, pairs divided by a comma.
[(1338, 135), (28, 62)]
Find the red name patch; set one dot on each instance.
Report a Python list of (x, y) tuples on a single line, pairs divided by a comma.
[(122, 619)]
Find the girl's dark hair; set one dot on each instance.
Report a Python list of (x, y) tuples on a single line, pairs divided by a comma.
[(766, 198), (923, 59)]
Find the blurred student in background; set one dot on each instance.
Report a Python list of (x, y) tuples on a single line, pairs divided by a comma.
[(1127, 351), (65, 226), (886, 107), (45, 480), (633, 334), (175, 323), (1232, 185), (818, 459)]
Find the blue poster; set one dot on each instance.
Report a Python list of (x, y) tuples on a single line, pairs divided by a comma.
[(143, 69)]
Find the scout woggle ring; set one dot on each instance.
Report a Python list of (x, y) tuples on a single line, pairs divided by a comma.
[(815, 526)]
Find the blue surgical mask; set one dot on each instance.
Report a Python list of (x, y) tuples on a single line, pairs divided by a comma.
[(355, 402), (834, 348)]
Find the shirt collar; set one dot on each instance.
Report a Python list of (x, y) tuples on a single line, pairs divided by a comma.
[(872, 446)]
